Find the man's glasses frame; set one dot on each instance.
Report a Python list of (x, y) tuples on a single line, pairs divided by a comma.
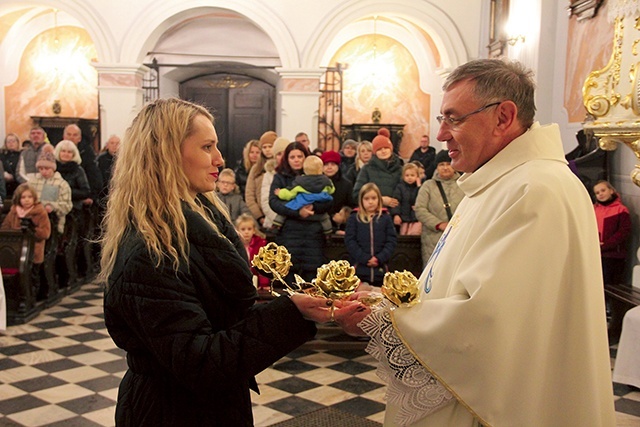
[(453, 122)]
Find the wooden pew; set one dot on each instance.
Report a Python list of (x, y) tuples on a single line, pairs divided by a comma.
[(49, 290), (16, 255), (621, 298)]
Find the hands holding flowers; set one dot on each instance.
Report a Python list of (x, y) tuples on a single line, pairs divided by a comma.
[(332, 296)]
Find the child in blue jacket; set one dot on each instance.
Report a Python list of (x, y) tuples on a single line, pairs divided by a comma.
[(370, 236)]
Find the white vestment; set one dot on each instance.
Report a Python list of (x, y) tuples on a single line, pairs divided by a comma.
[(512, 318)]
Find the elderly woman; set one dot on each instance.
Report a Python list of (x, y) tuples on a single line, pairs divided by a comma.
[(179, 297), (430, 203), (68, 165)]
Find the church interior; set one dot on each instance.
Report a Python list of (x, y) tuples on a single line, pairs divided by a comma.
[(332, 69)]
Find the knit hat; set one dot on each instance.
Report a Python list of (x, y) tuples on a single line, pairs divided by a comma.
[(331, 157), (381, 141), (268, 137), (350, 142), (46, 159), (384, 132), (443, 156), (279, 145)]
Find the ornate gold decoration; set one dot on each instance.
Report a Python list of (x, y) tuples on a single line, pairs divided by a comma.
[(598, 99), (401, 288), (228, 83), (376, 116), (632, 99), (56, 107), (609, 141)]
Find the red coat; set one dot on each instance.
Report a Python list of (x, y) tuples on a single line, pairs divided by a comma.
[(42, 229), (254, 246), (614, 228)]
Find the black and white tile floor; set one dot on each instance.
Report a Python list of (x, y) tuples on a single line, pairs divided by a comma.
[(62, 369)]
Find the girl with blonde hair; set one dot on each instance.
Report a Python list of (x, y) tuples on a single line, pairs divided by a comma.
[(370, 236), (179, 297)]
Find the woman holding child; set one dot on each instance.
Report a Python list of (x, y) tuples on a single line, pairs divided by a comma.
[(303, 238)]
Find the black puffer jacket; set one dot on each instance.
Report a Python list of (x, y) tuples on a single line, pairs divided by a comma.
[(302, 238), (75, 176), (194, 339)]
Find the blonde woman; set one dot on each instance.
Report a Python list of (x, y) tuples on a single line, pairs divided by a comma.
[(179, 297), (252, 195), (363, 155), (250, 155)]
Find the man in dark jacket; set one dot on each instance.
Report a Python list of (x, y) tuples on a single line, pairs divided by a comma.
[(88, 217), (425, 155)]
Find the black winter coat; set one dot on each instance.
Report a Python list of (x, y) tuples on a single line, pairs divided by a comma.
[(428, 160), (88, 156), (10, 163), (75, 176), (302, 238), (194, 339), (241, 176), (104, 162)]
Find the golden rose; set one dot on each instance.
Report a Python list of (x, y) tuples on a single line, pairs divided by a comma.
[(401, 288), (273, 260), (336, 280)]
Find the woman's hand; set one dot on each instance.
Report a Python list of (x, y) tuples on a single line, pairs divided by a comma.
[(306, 211), (319, 309)]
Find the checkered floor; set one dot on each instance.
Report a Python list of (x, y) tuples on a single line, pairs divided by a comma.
[(62, 369)]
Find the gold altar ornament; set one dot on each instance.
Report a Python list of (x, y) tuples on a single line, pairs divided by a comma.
[(336, 280), (401, 288)]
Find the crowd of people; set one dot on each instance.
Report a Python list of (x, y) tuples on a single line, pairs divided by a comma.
[(298, 197), (494, 339), (58, 188)]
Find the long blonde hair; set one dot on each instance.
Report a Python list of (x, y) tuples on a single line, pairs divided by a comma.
[(364, 145), (149, 185), (246, 162)]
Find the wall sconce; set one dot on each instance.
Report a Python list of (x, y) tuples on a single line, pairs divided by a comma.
[(515, 39)]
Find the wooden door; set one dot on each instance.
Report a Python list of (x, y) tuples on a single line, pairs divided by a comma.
[(241, 106)]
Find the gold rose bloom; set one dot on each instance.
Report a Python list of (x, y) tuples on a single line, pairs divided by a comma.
[(336, 280), (273, 260), (401, 288)]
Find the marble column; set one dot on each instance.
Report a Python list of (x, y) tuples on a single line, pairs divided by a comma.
[(297, 103), (120, 95)]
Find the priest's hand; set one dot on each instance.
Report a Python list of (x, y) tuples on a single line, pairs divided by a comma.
[(348, 317)]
